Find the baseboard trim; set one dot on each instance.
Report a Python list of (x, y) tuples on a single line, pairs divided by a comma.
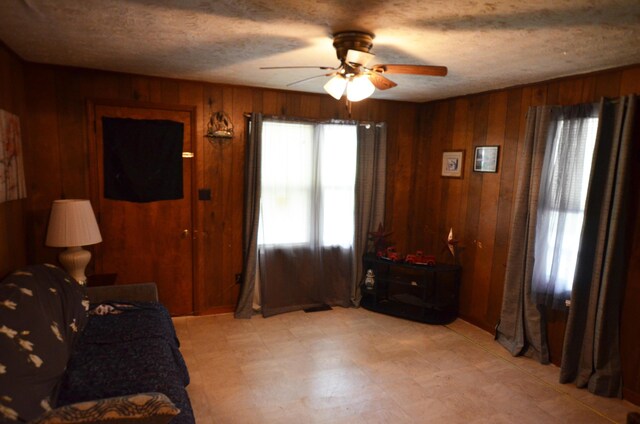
[(478, 323), (216, 310), (631, 396)]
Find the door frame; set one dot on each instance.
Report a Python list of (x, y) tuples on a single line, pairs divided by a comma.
[(94, 177)]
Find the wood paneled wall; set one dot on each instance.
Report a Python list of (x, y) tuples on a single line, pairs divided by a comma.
[(12, 214), (57, 126), (479, 205)]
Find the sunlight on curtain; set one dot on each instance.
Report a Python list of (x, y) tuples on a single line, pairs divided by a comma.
[(338, 149), (563, 193), (287, 176), (308, 177)]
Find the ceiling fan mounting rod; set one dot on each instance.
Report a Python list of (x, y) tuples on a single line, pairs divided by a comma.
[(352, 40)]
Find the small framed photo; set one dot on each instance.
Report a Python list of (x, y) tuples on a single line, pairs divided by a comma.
[(486, 159), (452, 163)]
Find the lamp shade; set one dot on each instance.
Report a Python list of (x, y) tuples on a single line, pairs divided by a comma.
[(72, 223)]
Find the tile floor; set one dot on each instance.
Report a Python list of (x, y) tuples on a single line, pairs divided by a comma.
[(356, 366)]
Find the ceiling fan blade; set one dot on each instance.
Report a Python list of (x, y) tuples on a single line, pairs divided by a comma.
[(310, 78), (300, 67), (435, 71), (359, 58), (380, 82)]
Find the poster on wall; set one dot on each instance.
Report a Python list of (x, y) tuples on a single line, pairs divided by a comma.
[(12, 184)]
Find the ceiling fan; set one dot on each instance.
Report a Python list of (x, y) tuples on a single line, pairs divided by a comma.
[(353, 76)]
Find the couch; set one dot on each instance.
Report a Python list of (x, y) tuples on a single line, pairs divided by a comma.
[(74, 354)]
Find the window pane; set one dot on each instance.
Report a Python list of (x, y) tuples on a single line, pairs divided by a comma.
[(338, 150), (563, 192), (286, 183)]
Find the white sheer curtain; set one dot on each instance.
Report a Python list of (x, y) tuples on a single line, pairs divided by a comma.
[(563, 192), (306, 231), (287, 177), (308, 175)]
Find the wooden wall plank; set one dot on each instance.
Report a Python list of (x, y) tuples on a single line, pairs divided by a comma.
[(71, 122), (465, 143), (43, 159), (140, 88), (507, 184), (13, 231), (489, 202), (444, 222), (461, 133), (468, 231), (421, 184), (212, 219), (228, 185), (630, 81), (608, 85), (570, 92), (400, 166)]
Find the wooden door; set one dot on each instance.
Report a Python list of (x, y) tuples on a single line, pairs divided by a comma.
[(150, 241)]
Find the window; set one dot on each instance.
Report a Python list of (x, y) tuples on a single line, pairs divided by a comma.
[(563, 193), (308, 178)]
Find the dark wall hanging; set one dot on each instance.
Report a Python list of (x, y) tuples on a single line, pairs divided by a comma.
[(142, 159)]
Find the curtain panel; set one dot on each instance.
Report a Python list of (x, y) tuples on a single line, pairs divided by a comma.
[(370, 194), (591, 355), (251, 217), (522, 328)]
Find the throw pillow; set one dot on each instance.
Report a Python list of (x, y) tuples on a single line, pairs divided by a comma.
[(138, 408)]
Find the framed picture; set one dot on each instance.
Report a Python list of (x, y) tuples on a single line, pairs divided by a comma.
[(453, 163), (486, 159)]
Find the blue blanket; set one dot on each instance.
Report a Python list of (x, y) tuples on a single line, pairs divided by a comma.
[(135, 350)]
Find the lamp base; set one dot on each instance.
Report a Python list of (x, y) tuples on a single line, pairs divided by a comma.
[(75, 260)]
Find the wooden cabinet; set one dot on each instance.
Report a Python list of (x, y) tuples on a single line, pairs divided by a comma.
[(418, 292)]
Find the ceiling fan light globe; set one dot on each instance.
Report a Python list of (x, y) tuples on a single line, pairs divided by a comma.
[(359, 88), (336, 86)]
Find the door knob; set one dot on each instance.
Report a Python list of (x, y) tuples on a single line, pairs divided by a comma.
[(185, 233)]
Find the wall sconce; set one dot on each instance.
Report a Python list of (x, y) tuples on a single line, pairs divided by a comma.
[(219, 126)]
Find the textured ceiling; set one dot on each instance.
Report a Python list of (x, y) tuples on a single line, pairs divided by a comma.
[(485, 44)]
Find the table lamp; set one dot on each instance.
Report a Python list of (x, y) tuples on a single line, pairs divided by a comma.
[(72, 224)]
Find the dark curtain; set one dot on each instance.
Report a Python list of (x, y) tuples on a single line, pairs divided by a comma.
[(522, 327), (295, 278), (591, 354), (251, 218), (370, 194)]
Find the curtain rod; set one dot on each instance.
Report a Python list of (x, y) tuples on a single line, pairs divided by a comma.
[(315, 121)]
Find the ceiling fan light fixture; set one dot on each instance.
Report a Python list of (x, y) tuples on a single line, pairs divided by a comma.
[(336, 86), (359, 88)]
